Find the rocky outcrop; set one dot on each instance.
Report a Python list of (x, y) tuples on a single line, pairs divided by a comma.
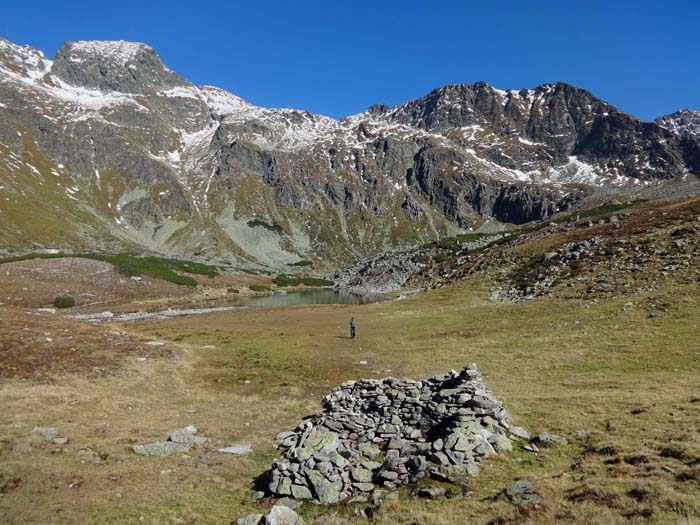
[(388, 272), (388, 433)]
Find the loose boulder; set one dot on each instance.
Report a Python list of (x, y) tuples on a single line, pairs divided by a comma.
[(180, 440), (278, 515)]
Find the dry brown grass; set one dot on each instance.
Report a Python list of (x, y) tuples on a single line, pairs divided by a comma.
[(558, 366)]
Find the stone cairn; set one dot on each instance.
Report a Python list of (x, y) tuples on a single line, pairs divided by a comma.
[(386, 433)]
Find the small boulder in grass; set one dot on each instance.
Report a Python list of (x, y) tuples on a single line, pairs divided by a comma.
[(45, 432), (521, 491), (238, 449), (278, 515), (432, 492), (546, 439), (179, 441)]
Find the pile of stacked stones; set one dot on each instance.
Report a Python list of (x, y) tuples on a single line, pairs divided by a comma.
[(386, 433)]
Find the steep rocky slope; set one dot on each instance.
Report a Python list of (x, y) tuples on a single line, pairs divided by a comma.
[(106, 148), (613, 250), (616, 250)]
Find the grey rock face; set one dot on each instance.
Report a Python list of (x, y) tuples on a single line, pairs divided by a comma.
[(126, 67), (442, 425)]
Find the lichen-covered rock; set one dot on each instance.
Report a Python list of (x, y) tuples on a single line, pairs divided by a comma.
[(278, 515), (160, 449), (250, 519), (45, 432), (187, 436), (281, 515), (180, 440)]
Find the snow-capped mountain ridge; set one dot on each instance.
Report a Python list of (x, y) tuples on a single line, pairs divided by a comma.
[(161, 155)]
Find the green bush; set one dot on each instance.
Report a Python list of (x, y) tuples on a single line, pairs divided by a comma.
[(259, 288), (64, 301), (301, 263), (233, 290), (274, 227)]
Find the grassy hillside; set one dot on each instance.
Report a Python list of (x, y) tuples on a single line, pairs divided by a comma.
[(135, 265)]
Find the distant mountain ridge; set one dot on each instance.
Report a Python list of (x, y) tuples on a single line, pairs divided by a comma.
[(106, 148)]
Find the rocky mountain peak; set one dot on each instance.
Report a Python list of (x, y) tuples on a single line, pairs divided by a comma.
[(684, 122), (22, 60), (126, 67), (180, 167), (378, 109)]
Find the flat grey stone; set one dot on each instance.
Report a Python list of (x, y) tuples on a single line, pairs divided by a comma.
[(186, 436), (250, 519), (45, 432), (281, 515), (363, 487), (361, 475), (549, 439), (161, 449), (501, 443), (301, 492), (519, 433), (432, 492), (238, 448), (326, 492), (522, 491)]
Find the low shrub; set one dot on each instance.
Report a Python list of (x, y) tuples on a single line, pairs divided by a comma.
[(64, 301), (301, 263), (274, 227)]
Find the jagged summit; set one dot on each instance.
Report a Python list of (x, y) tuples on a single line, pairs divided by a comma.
[(118, 51), (685, 122), (120, 66), (22, 60), (460, 105)]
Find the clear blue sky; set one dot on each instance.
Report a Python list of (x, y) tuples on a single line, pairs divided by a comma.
[(338, 57)]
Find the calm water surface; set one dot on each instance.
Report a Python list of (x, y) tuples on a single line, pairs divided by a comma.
[(318, 296)]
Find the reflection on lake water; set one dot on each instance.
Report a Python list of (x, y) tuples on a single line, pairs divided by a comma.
[(316, 296)]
